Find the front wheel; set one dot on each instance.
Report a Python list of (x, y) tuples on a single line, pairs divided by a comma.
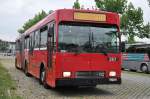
[(144, 68), (26, 70), (43, 78)]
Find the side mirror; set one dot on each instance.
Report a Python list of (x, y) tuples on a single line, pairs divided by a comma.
[(123, 48)]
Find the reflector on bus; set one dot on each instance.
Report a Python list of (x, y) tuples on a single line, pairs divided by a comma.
[(89, 16)]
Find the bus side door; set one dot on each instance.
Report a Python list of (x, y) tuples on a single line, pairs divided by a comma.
[(36, 53), (31, 56), (51, 45)]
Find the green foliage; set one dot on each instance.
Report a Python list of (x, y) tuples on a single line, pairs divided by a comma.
[(145, 31), (7, 85), (76, 4), (131, 18), (132, 22), (118, 6), (33, 21)]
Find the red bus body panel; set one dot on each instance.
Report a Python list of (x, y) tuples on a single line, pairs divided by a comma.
[(86, 62)]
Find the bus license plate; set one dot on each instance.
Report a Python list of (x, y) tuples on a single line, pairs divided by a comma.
[(112, 79)]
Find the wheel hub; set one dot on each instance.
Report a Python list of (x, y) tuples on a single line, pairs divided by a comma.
[(144, 68)]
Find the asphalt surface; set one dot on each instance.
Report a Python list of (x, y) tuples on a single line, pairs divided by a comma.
[(134, 86)]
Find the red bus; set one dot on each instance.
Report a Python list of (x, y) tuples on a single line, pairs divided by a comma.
[(72, 48)]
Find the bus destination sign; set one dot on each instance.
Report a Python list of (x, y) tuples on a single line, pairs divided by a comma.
[(89, 16)]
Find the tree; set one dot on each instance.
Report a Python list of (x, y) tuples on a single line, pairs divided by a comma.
[(145, 31), (132, 23), (76, 4), (118, 6), (33, 21), (131, 18)]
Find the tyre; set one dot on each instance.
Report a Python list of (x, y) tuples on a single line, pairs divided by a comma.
[(26, 70), (42, 79), (144, 68)]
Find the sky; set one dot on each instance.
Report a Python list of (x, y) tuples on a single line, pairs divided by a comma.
[(14, 13)]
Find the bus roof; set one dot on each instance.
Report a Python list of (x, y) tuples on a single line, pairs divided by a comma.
[(53, 16)]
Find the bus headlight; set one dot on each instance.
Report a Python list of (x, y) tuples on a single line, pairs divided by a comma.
[(66, 74), (112, 73)]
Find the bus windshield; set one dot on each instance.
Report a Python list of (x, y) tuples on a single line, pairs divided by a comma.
[(88, 38)]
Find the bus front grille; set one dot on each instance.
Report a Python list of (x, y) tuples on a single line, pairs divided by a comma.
[(90, 74)]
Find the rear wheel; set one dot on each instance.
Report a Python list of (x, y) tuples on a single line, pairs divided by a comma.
[(144, 68), (43, 77), (26, 70)]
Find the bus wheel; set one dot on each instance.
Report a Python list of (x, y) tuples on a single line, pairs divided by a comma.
[(43, 77), (26, 70), (144, 68)]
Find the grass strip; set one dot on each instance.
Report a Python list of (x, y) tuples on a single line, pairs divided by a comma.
[(7, 85)]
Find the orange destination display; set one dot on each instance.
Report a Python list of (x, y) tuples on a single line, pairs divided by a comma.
[(89, 16)]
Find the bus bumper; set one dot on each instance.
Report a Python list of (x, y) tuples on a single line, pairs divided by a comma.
[(86, 82)]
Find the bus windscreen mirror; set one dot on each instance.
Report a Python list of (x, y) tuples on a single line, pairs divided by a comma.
[(122, 46)]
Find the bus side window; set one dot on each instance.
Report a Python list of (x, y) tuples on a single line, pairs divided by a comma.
[(31, 43), (43, 37), (24, 43), (27, 42), (26, 46), (37, 39)]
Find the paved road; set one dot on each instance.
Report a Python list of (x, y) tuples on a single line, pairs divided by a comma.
[(134, 86)]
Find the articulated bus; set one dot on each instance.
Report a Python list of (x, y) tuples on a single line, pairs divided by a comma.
[(72, 48), (137, 58)]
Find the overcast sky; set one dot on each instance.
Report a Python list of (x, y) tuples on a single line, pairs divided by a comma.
[(13, 13)]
